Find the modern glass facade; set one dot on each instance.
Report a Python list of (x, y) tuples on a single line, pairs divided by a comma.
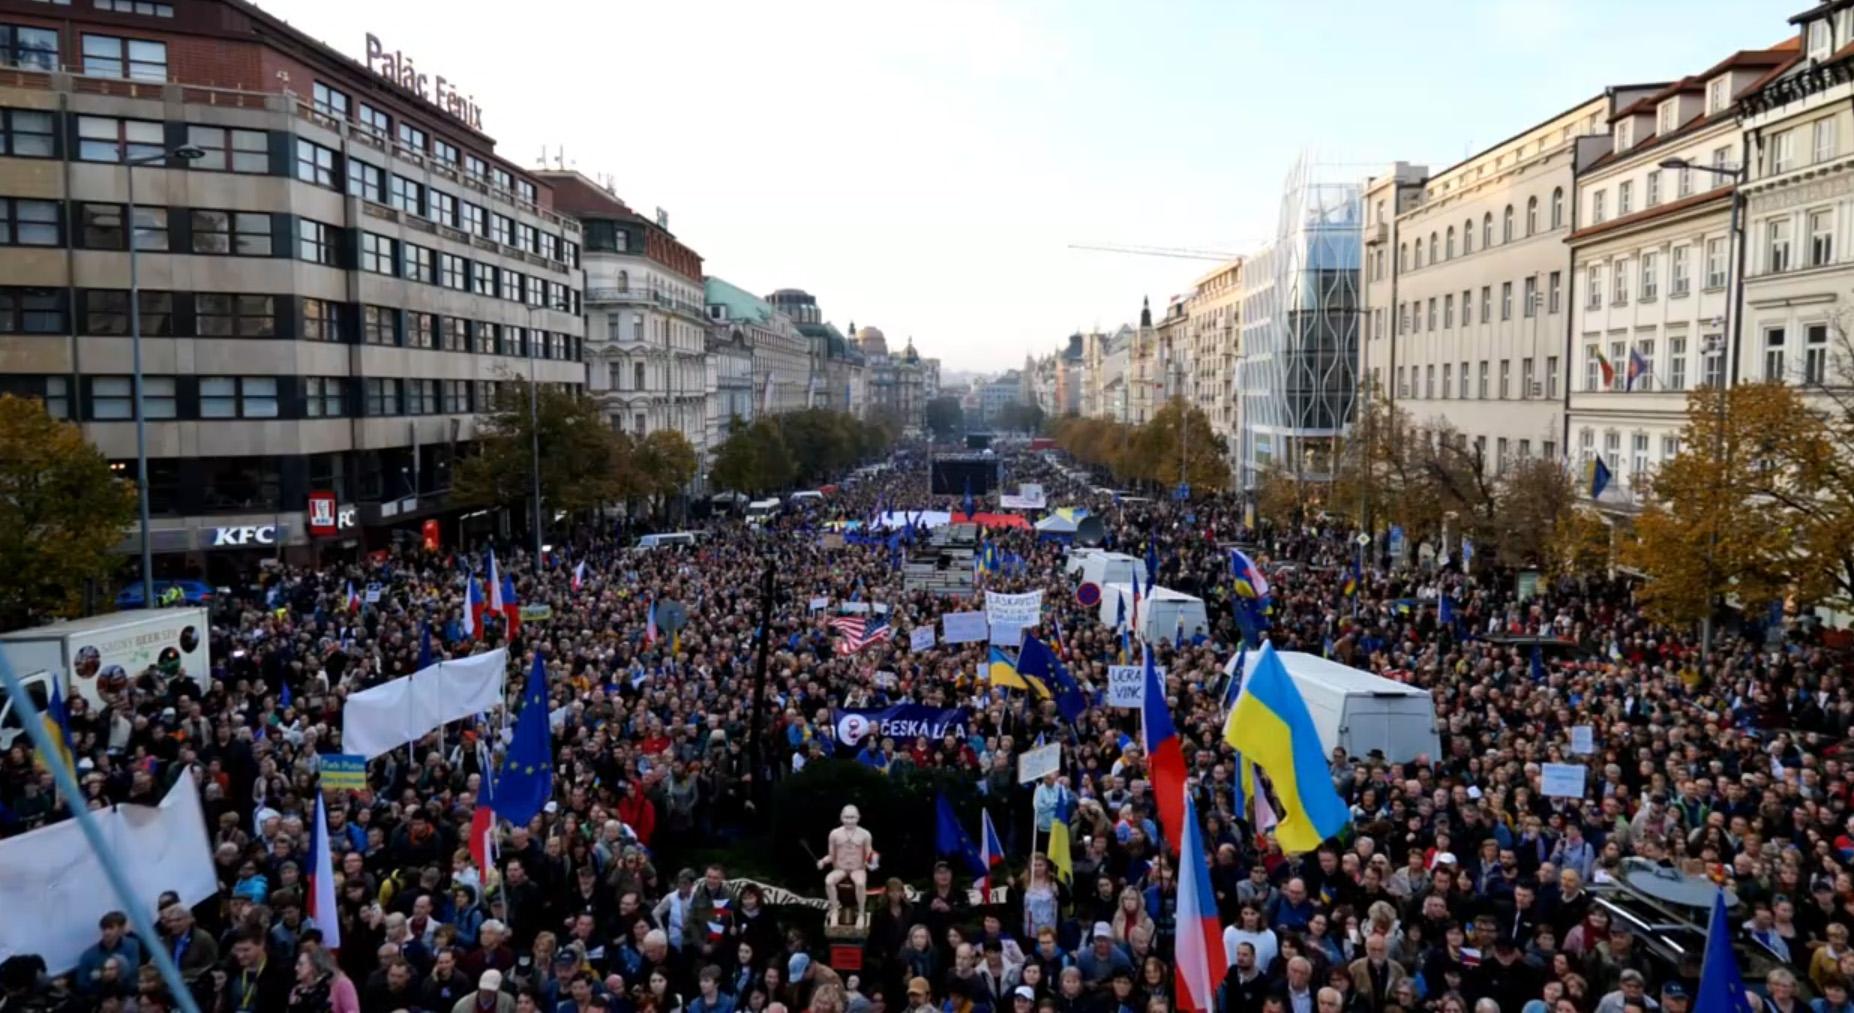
[(1297, 375)]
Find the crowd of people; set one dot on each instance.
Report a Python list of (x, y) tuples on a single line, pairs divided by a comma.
[(1458, 884)]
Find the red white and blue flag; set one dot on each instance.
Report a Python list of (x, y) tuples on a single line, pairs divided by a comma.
[(1164, 755), (579, 575), (321, 905), (857, 632), (511, 606), (1201, 962), (650, 623), (353, 598), (492, 586), (991, 853), (473, 608)]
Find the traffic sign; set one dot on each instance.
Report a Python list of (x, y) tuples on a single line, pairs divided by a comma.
[(1088, 595)]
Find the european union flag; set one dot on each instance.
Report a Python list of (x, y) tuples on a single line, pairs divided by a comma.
[(1037, 661), (1152, 565), (950, 840), (425, 656), (527, 780), (1721, 987), (1445, 611), (1599, 479)]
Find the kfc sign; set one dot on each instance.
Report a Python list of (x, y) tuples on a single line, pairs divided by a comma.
[(322, 519), (244, 536), (347, 517)]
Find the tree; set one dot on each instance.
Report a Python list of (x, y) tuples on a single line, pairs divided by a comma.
[(62, 510), (736, 464), (1178, 444), (1020, 418), (945, 418), (583, 462), (1531, 507)]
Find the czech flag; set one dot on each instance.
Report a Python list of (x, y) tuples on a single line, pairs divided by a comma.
[(650, 623), (1164, 755), (579, 575), (353, 598), (991, 853), (321, 906), (493, 587), (1201, 963), (483, 824), (473, 609), (511, 606)]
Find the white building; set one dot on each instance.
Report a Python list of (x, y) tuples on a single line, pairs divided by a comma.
[(1651, 260), (782, 377)]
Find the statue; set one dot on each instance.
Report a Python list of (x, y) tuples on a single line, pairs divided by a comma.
[(849, 851)]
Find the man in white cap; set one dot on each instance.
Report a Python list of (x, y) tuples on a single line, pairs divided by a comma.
[(1101, 958), (488, 997)]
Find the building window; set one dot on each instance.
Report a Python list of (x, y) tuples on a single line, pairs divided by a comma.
[(238, 397), (456, 394), (315, 164), (1664, 117), (31, 48), (377, 325), (1487, 231), (135, 59), (1597, 214), (444, 208), (1677, 363), (484, 278), (1717, 97), (1777, 245), (319, 321), (1773, 353), (1467, 237), (444, 151), (1645, 349), (452, 272), (1532, 215), (488, 339), (1670, 448), (1500, 456), (1683, 183), (1448, 311), (106, 311), (474, 219), (330, 101), (1712, 360), (1638, 467), (1450, 254), (1653, 195), (107, 139), (1650, 276), (502, 229), (1506, 225), (1821, 238), (382, 396), (637, 376), (1557, 208), (230, 150), (1506, 300), (29, 223), (1715, 263), (1448, 378), (421, 330), (1419, 253), (1429, 381), (316, 242), (1625, 197), (1678, 281), (1484, 377), (421, 263), (240, 233), (368, 182), (421, 397), (374, 121), (1506, 378), (377, 253), (1619, 283), (1593, 367), (227, 315), (456, 334), (1612, 450), (26, 133), (322, 397), (1526, 380), (1464, 380), (414, 138), (1783, 151), (112, 398), (1432, 313), (1551, 376), (1815, 354), (527, 191), (407, 195), (1554, 291), (1823, 139), (1486, 303), (475, 168), (1531, 297), (33, 311)]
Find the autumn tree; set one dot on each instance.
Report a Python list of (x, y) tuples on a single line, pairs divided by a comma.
[(665, 462), (583, 462), (62, 511), (1178, 442), (1534, 500), (945, 418)]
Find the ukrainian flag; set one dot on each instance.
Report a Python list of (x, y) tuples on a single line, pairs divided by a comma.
[(57, 722), (1061, 851), (1002, 671), (1270, 726)]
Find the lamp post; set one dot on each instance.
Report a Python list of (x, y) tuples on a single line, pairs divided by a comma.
[(185, 153), (1735, 310)]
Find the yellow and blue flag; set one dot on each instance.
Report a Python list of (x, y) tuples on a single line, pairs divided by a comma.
[(1061, 851), (1270, 726), (1002, 671), (56, 720)]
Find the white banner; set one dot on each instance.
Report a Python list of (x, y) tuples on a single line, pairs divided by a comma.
[(964, 627), (376, 721), (1126, 685), (1031, 766), (921, 639), (1562, 780), (1024, 610), (1007, 636), (53, 874), (818, 603), (853, 608)]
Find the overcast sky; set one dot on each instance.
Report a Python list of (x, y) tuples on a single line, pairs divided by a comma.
[(924, 166)]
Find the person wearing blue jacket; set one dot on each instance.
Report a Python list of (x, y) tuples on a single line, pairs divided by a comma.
[(114, 941)]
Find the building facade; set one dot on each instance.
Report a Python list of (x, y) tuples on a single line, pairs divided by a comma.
[(337, 273), (782, 376), (1214, 308), (1651, 256)]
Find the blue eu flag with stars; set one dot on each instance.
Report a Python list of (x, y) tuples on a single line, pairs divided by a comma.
[(527, 780)]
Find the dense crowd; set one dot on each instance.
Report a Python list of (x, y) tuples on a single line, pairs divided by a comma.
[(1458, 885)]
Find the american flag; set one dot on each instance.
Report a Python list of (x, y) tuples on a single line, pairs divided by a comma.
[(858, 632)]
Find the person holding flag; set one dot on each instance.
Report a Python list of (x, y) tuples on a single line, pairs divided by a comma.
[(579, 575)]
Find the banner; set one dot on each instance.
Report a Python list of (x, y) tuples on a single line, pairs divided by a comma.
[(818, 603), (853, 608), (1025, 610), (921, 639), (536, 613), (1031, 766), (378, 720), (902, 722), (1003, 635), (344, 772), (964, 627), (1126, 685), (52, 873)]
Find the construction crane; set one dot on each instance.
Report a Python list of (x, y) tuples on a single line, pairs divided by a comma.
[(1182, 253)]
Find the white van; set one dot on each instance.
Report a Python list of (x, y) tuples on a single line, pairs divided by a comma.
[(1362, 711), (38, 686), (808, 496), (667, 538)]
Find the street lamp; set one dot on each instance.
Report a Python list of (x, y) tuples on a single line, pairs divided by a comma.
[(185, 153), (1735, 308)]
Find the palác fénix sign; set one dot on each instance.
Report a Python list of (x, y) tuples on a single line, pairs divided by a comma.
[(398, 68)]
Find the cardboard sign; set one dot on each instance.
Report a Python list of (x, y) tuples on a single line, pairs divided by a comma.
[(1126, 685), (1562, 780), (1004, 635), (1031, 766), (344, 772), (1583, 740), (374, 591), (964, 627), (536, 613), (921, 639), (1024, 610), (818, 603)]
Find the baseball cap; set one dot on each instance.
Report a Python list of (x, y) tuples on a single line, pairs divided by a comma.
[(797, 966), (1674, 990), (919, 986), (1103, 930), (491, 980), (1025, 992)]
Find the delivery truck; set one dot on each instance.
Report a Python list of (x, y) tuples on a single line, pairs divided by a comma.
[(103, 654)]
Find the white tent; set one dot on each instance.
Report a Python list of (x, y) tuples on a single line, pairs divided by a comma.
[(1078, 558), (1161, 613), (1055, 526), (1106, 568), (1361, 711)]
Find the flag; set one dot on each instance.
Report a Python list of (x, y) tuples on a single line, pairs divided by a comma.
[(1152, 564), (527, 779), (1248, 575), (56, 720), (483, 826), (1120, 613), (1599, 478), (1609, 371), (967, 501), (1467, 553), (1241, 788), (650, 623), (473, 609), (284, 697), (511, 606), (321, 893), (1445, 610), (1000, 670), (950, 840), (1350, 587), (1232, 678), (1036, 662), (426, 658), (1270, 725), (1061, 850), (1164, 755), (991, 854), (1638, 367), (857, 632), (1201, 963), (493, 587), (1538, 664), (1721, 987), (352, 599), (579, 575), (1265, 819), (1135, 619)]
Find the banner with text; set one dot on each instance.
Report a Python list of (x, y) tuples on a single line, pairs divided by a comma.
[(902, 722), (963, 627), (1020, 610)]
